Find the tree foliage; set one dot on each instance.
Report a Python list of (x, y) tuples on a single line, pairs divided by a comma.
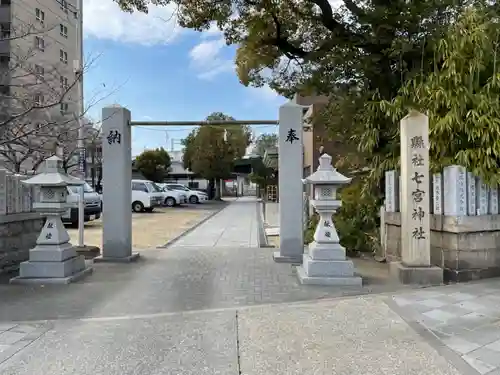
[(153, 164), (460, 96), (210, 153), (358, 51)]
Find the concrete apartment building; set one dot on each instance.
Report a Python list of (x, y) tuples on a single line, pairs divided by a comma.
[(39, 48)]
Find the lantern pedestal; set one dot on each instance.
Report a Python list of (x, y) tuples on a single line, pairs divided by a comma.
[(54, 259), (326, 263)]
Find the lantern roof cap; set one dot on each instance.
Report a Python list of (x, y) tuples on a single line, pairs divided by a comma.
[(53, 175), (326, 174)]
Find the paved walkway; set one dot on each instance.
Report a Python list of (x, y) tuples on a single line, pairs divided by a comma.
[(235, 226), (232, 310)]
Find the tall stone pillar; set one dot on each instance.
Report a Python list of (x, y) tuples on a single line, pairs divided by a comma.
[(290, 164), (116, 182), (415, 266)]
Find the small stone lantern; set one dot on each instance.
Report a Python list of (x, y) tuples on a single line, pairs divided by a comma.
[(326, 263), (54, 258)]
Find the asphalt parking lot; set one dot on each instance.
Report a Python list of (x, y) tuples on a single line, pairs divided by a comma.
[(150, 230)]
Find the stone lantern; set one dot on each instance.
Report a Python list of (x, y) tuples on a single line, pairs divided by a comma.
[(326, 263), (54, 258)]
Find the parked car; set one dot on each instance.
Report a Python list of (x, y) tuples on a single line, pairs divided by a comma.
[(92, 204), (173, 197), (146, 195), (194, 196)]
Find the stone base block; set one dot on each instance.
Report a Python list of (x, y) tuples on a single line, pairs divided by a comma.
[(327, 268), (278, 258), (331, 281), (89, 252), (53, 280), (104, 259), (41, 270), (416, 275), (61, 253), (319, 251)]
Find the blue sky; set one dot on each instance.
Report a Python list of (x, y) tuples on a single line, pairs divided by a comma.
[(161, 72)]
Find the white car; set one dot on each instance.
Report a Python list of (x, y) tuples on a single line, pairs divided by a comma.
[(194, 196), (92, 204), (146, 195), (173, 197)]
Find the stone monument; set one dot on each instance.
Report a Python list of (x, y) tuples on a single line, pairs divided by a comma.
[(290, 175), (326, 263), (415, 267), (54, 259)]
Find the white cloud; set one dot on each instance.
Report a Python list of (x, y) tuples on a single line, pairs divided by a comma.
[(207, 60), (105, 20)]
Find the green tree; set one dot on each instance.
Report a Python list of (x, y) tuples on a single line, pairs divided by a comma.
[(356, 51), (210, 151), (460, 96), (153, 164)]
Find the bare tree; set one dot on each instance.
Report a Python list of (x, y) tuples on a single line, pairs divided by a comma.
[(39, 108)]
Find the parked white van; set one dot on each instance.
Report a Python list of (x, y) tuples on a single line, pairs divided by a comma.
[(146, 195), (92, 204)]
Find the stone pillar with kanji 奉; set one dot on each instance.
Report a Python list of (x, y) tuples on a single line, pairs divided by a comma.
[(54, 259), (290, 163), (415, 266)]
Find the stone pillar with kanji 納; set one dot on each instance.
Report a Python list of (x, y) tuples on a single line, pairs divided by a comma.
[(415, 266), (116, 154)]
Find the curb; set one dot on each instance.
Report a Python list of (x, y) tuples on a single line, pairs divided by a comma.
[(187, 231), (262, 237)]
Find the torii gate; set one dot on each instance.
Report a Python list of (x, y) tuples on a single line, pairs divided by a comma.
[(117, 175)]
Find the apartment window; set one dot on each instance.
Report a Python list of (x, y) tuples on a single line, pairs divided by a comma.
[(40, 15), (64, 82), (40, 43), (64, 6), (5, 30), (38, 99), (4, 60), (63, 30), (39, 70), (63, 56), (64, 108), (4, 2)]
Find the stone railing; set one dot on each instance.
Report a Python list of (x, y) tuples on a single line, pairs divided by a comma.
[(19, 224), (464, 223)]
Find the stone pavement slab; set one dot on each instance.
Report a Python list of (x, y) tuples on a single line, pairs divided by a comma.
[(15, 337), (169, 280), (359, 335), (348, 336), (234, 226), (177, 345), (465, 318)]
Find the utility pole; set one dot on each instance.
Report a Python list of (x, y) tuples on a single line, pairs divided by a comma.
[(78, 70)]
